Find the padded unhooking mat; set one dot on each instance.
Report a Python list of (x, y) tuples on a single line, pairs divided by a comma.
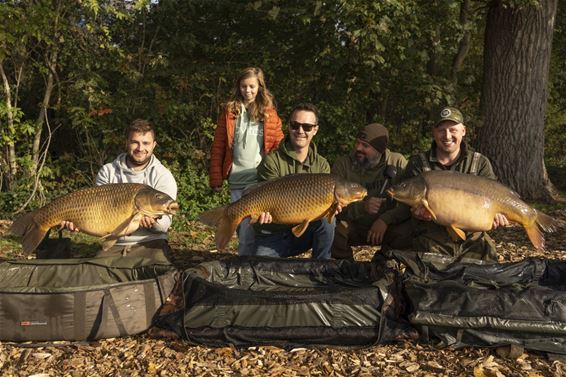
[(80, 299), (288, 303), (474, 304)]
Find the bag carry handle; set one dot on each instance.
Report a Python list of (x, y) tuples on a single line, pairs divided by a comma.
[(108, 304)]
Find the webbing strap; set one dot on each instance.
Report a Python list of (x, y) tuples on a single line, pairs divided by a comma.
[(426, 165), (108, 304), (79, 315), (108, 301), (475, 161), (149, 296)]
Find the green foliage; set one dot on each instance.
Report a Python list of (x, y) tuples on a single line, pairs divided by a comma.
[(174, 63)]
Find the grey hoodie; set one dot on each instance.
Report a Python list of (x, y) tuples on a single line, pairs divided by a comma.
[(155, 175)]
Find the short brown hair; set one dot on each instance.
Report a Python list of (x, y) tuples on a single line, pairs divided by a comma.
[(306, 106), (140, 126)]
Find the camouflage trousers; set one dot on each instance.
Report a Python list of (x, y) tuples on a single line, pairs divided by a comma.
[(158, 251), (350, 234), (478, 245)]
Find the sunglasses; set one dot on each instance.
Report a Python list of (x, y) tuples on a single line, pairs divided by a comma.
[(307, 127)]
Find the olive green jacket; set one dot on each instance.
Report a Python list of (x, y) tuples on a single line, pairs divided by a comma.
[(284, 162), (373, 179), (469, 162)]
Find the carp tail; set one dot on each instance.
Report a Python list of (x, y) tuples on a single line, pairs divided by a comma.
[(224, 231), (535, 235), (546, 223), (31, 233), (212, 216)]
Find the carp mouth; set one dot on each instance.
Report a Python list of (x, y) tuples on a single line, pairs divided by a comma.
[(172, 208), (167, 209), (390, 192)]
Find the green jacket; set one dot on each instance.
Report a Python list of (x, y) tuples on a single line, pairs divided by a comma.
[(469, 162), (372, 179), (284, 162)]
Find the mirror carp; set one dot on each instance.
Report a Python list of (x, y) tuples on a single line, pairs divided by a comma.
[(468, 202)]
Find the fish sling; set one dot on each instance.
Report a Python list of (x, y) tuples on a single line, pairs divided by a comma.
[(468, 202), (291, 200), (109, 211)]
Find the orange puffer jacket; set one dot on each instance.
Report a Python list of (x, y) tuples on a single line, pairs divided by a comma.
[(221, 153)]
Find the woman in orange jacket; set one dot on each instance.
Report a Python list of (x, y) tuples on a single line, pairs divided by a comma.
[(248, 129)]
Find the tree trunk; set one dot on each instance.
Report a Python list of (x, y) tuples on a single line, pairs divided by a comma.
[(40, 121), (10, 148), (465, 42), (518, 43)]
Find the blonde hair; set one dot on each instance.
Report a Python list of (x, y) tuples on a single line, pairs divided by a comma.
[(263, 100)]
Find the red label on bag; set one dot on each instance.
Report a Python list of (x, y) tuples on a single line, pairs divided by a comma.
[(32, 323)]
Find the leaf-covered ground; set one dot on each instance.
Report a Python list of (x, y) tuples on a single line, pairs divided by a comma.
[(146, 356)]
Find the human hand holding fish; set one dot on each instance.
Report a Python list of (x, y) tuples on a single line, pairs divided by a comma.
[(69, 225), (263, 218), (500, 221), (148, 221), (421, 213)]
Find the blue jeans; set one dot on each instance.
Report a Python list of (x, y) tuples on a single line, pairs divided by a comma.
[(283, 244), (246, 237)]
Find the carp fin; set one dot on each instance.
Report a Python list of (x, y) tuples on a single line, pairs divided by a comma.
[(546, 223), (108, 243), (254, 217), (427, 206), (535, 236), (456, 233), (32, 234), (224, 231), (212, 217), (128, 226), (330, 212), (543, 222), (298, 230)]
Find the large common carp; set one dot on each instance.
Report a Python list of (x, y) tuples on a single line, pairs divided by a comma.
[(293, 199), (108, 211), (468, 202)]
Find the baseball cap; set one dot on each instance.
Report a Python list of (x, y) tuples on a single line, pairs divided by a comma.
[(450, 113)]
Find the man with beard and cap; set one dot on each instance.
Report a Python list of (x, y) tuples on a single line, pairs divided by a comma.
[(449, 151), (366, 222), (139, 165)]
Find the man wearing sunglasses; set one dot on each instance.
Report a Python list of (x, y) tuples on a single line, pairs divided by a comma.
[(298, 154), (375, 167)]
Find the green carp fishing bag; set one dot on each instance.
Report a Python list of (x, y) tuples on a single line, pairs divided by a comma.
[(250, 301), (80, 299)]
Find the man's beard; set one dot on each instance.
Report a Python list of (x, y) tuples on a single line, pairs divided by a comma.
[(131, 161), (366, 163)]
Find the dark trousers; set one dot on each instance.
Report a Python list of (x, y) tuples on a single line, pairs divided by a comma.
[(350, 234)]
